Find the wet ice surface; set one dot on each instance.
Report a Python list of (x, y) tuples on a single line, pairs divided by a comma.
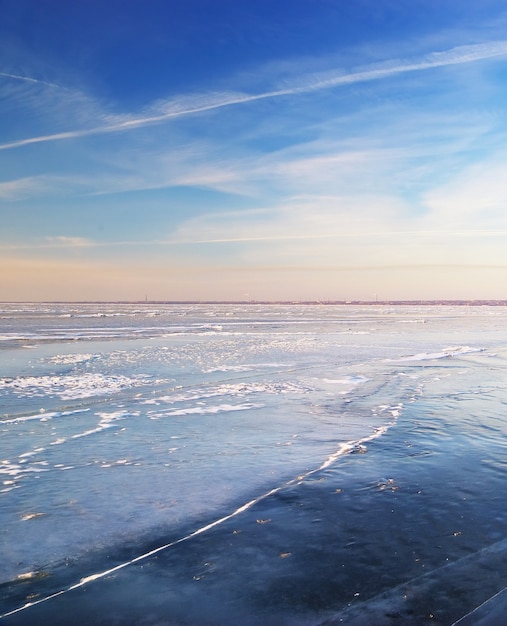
[(367, 442)]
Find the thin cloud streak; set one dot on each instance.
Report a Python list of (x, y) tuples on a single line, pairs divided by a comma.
[(454, 56), (70, 242), (79, 242), (29, 79), (361, 235), (55, 243), (13, 189)]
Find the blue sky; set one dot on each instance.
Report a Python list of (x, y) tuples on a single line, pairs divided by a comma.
[(234, 149)]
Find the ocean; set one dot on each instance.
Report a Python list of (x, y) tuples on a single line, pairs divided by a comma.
[(209, 464)]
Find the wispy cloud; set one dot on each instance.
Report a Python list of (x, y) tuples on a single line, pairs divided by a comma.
[(200, 103), (69, 242), (52, 243), (43, 185), (62, 242), (21, 187), (28, 79), (373, 218), (341, 156), (422, 234)]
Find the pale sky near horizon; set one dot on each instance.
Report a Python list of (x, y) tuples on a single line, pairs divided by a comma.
[(252, 149)]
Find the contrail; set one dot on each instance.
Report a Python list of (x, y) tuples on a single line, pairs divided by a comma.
[(29, 79), (454, 56)]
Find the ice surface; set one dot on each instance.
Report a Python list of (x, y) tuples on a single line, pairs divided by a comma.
[(137, 438), (68, 387)]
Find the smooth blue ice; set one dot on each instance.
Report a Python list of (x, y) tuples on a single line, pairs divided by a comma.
[(123, 423)]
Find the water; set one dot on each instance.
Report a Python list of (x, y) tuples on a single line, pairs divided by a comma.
[(225, 464)]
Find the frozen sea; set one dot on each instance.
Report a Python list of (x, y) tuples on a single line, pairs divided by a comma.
[(251, 464)]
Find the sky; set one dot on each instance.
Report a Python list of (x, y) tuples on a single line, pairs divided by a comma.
[(253, 150)]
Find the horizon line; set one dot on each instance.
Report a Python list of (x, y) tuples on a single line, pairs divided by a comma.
[(321, 301)]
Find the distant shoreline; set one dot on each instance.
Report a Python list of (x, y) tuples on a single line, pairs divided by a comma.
[(279, 302)]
